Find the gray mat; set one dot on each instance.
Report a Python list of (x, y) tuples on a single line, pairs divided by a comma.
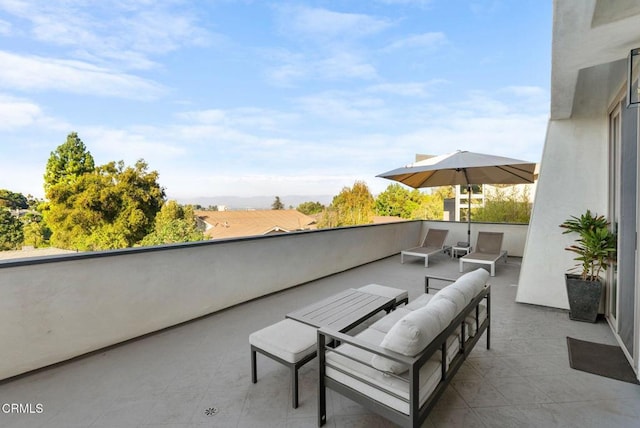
[(603, 360)]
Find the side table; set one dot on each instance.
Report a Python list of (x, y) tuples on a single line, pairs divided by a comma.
[(460, 251)]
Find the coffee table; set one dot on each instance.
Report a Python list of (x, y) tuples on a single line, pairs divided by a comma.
[(342, 311)]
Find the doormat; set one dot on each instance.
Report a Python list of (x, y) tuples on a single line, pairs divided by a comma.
[(603, 360)]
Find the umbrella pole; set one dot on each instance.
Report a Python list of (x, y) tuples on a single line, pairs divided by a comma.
[(469, 215)]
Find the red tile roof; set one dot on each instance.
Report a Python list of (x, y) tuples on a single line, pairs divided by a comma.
[(228, 224)]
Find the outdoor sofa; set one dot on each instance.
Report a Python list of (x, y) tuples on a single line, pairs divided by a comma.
[(402, 363)]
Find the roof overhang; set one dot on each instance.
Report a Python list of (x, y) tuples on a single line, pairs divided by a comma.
[(591, 42)]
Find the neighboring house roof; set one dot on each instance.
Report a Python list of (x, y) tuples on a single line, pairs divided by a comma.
[(228, 224), (379, 219), (33, 252)]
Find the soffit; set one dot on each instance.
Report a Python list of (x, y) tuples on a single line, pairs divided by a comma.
[(588, 34)]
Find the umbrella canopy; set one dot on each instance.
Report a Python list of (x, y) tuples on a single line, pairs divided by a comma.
[(463, 168)]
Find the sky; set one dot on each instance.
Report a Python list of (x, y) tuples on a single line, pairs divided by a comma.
[(266, 98)]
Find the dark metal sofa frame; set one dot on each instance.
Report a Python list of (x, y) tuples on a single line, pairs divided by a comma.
[(417, 414)]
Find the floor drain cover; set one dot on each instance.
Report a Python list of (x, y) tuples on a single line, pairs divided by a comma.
[(211, 411)]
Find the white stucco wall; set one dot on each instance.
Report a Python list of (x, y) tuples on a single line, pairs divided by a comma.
[(59, 307), (573, 178), (514, 240)]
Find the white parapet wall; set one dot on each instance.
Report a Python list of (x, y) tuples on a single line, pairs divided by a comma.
[(55, 308), (514, 240), (59, 307)]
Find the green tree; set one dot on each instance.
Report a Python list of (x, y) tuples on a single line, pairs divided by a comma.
[(310, 208), (11, 235), (352, 206), (69, 161), (111, 207), (398, 201), (12, 200), (277, 204), (174, 223), (504, 205)]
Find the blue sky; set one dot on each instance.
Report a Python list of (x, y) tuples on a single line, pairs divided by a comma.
[(249, 98)]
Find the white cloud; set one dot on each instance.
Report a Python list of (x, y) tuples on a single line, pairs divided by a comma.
[(251, 118), (324, 24), (17, 113), (407, 2), (37, 73), (125, 32), (5, 28), (341, 65), (419, 41), (406, 89), (343, 107)]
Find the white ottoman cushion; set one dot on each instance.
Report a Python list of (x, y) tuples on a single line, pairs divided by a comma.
[(288, 339)]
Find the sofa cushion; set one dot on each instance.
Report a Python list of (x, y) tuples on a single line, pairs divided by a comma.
[(419, 302), (413, 332), (385, 323), (388, 390), (472, 282), (454, 295), (444, 309)]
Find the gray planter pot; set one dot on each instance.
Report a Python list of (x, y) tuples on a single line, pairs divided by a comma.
[(584, 298)]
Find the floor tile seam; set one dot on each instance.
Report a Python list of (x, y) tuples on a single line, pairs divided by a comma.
[(478, 417)]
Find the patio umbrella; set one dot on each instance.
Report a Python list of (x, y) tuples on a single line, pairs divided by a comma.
[(463, 168)]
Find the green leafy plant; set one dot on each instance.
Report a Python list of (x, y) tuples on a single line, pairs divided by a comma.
[(595, 247)]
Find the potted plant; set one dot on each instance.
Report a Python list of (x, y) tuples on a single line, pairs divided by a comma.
[(596, 250)]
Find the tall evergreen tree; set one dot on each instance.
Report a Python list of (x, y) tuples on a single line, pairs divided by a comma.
[(277, 204), (67, 162)]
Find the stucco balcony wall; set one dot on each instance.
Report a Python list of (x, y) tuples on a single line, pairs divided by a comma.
[(515, 235), (55, 308), (59, 307)]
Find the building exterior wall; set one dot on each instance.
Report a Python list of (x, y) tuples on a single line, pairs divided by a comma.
[(573, 178)]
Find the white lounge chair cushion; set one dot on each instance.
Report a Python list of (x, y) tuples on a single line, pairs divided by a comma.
[(419, 302), (384, 324), (287, 339), (383, 290)]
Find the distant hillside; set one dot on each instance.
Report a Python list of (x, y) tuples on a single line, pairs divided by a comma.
[(255, 202)]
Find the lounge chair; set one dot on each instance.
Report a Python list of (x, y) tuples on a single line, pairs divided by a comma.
[(433, 244), (488, 251)]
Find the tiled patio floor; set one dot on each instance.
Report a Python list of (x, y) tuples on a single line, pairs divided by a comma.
[(172, 378)]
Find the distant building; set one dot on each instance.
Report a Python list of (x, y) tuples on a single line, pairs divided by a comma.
[(231, 224)]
